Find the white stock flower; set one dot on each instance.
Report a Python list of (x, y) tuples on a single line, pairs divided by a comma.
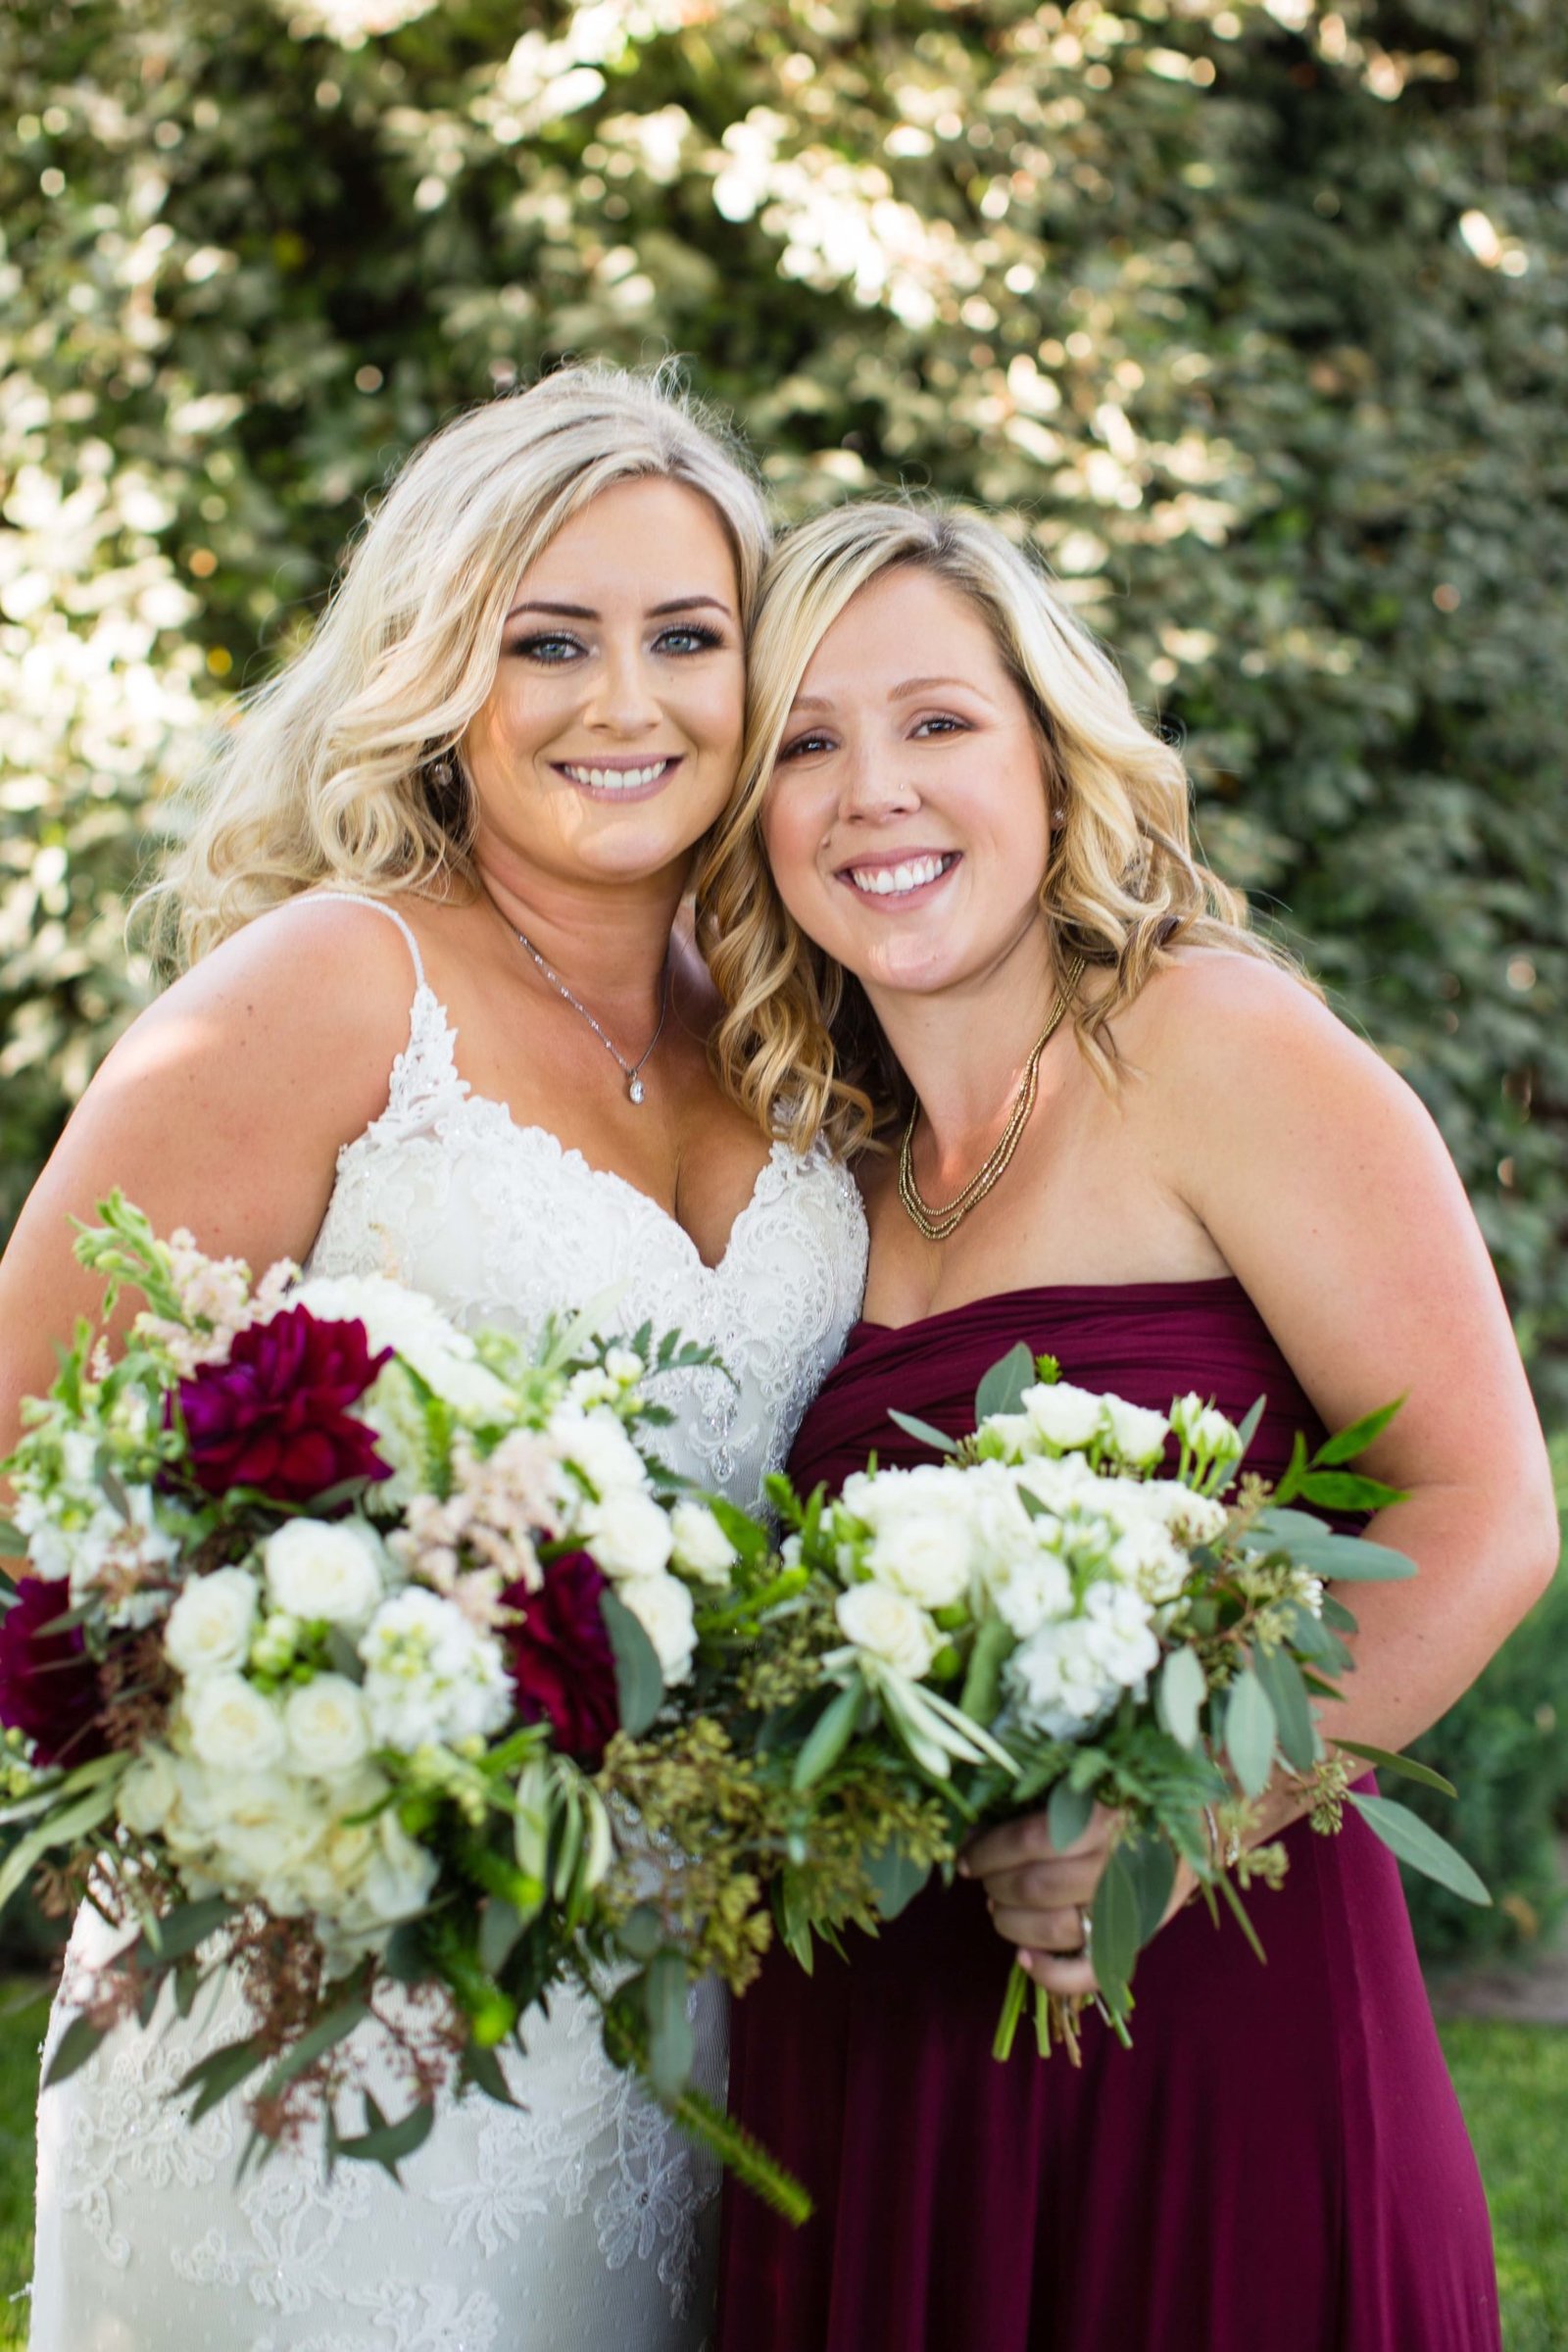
[(394, 1316), (327, 1726), (210, 1626), (1136, 1434), (429, 1675), (627, 1534), (1191, 1518), (1063, 1415), (875, 1618), (1145, 1557), (233, 1727), (663, 1607), (1030, 1593), (702, 1549), (317, 1569)]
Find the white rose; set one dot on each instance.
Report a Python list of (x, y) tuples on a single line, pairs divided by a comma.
[(890, 1626), (1063, 1415), (1204, 1428), (147, 1794), (327, 1726), (430, 1674), (210, 1626), (663, 1607), (700, 1546), (233, 1727), (317, 1569), (627, 1534), (927, 1560), (394, 1316), (267, 1832), (1008, 1436), (1138, 1434), (625, 1365), (399, 1877), (595, 1446)]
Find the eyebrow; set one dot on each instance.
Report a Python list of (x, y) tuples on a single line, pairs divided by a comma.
[(911, 686), (677, 604)]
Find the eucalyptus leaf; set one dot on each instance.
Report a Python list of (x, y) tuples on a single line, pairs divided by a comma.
[(1249, 1732), (1407, 1767), (1409, 1837), (326, 2033), (925, 1432), (829, 1735), (221, 2071), (483, 2069), (1281, 1680), (671, 2042), (1151, 1866), (895, 1879), (1116, 1924), (74, 2047), (385, 2143), (1001, 1389), (638, 1683), (993, 1644), (1179, 1696), (181, 1931), (1067, 1812)]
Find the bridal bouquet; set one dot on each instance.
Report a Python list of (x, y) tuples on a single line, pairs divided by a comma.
[(337, 1661), (1044, 1616)]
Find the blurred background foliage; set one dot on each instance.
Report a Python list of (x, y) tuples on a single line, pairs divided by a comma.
[(1256, 315)]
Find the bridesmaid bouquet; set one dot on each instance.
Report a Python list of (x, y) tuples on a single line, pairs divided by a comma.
[(336, 1660), (1043, 1615)]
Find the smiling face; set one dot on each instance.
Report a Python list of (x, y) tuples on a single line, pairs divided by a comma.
[(906, 819), (609, 740)]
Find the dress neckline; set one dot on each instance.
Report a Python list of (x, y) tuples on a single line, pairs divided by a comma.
[(1130, 1292)]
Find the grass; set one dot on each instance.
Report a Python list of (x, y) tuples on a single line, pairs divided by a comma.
[(1512, 2083)]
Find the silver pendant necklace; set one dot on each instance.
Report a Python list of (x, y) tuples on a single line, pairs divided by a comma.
[(631, 1071)]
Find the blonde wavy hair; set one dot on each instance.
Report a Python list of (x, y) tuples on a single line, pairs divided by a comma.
[(798, 1046), (343, 767)]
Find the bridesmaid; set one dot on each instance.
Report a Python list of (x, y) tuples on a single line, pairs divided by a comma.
[(1104, 1118)]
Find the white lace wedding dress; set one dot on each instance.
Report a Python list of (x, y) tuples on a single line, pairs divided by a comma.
[(582, 2221)]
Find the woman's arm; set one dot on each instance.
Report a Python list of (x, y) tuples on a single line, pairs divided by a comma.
[(222, 1109), (1327, 1190)]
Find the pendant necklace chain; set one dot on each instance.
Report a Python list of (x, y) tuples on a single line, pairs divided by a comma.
[(631, 1072), (937, 1224)]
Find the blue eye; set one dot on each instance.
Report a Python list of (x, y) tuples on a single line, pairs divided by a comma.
[(551, 650), (688, 638)]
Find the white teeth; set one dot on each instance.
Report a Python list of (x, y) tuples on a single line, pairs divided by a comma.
[(884, 881), (617, 779)]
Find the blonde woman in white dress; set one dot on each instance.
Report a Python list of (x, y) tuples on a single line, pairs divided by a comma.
[(438, 1020)]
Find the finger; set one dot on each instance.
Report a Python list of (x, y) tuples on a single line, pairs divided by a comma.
[(1028, 1840), (1041, 1931), (1055, 1973), (1044, 1885)]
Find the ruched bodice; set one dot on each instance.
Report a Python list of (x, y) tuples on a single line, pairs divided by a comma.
[(580, 2219), (1278, 2162)]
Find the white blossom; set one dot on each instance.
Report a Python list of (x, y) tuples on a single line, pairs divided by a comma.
[(210, 1626), (663, 1607), (429, 1675), (233, 1727), (327, 1726), (875, 1618), (701, 1549), (325, 1569)]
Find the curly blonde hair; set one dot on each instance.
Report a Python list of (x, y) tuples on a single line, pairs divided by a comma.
[(798, 1045), (343, 767)]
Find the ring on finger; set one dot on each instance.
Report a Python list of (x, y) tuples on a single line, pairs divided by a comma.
[(1086, 1929)]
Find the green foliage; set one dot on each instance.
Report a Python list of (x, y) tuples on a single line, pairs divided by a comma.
[(1512, 2083)]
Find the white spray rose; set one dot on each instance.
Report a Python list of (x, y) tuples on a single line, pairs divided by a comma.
[(394, 1316), (702, 1549), (1138, 1434), (209, 1629), (268, 1828), (147, 1794), (627, 1534), (890, 1626), (233, 1727), (327, 1726), (399, 1877), (926, 1559), (595, 1446), (1063, 1415), (1205, 1429), (663, 1607), (318, 1568)]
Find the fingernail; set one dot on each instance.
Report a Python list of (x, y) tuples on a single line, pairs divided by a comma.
[(964, 1872)]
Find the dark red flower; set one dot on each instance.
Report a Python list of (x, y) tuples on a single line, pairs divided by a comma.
[(49, 1687), (275, 1415), (563, 1667)]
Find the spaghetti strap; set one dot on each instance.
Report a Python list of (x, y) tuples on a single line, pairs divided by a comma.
[(353, 897)]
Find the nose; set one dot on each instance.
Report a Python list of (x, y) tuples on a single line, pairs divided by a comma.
[(624, 698), (871, 786)]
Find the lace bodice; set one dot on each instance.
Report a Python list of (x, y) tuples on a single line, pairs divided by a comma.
[(579, 2220)]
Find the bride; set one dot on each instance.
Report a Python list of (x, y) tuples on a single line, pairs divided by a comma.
[(437, 1022)]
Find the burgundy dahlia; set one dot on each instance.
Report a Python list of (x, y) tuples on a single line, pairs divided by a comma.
[(275, 1415), (563, 1667), (49, 1687)]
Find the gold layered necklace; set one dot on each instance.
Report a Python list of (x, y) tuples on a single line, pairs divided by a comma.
[(937, 1224)]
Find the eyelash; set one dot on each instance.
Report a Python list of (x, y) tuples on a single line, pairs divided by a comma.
[(938, 718), (704, 641)]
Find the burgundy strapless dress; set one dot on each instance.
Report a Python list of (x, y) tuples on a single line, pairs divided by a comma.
[(1278, 2162)]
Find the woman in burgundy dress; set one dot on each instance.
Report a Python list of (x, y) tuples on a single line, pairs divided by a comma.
[(1124, 1131)]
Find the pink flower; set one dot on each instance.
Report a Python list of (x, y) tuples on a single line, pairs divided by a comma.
[(274, 1416), (49, 1687)]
